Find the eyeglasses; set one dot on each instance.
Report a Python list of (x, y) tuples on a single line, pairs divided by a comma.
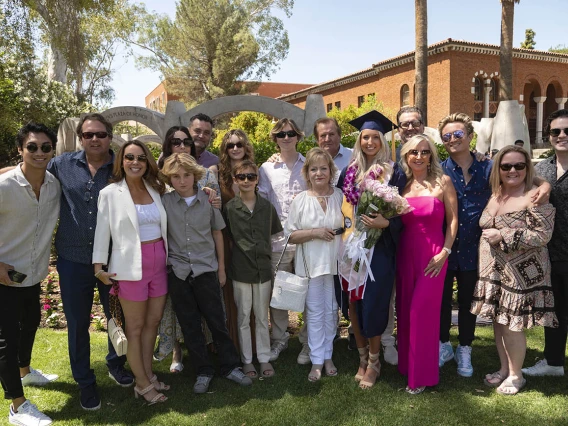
[(87, 195), (177, 142), (91, 135), (406, 124), (415, 152), (233, 145), (289, 133), (142, 158), (458, 134), (517, 166), (244, 176), (556, 132), (45, 147)]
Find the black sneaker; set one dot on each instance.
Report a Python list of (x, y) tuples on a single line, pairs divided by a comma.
[(90, 400), (121, 376), (352, 343)]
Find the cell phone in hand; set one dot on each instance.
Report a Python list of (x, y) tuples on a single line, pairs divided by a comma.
[(16, 276)]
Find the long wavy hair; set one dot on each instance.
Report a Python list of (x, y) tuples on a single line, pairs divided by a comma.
[(435, 171), (382, 158), (151, 173), (167, 146), (225, 169)]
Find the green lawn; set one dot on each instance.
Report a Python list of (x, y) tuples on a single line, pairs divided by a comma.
[(289, 399)]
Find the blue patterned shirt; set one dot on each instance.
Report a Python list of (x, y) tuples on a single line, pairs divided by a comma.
[(79, 195), (472, 199)]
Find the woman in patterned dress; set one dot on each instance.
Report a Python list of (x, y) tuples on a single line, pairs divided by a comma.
[(514, 287)]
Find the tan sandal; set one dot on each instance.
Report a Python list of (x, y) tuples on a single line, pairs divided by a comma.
[(159, 397), (315, 373), (160, 386), (363, 362), (330, 368), (250, 371), (266, 370), (374, 365)]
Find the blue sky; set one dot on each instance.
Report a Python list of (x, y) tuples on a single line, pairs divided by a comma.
[(329, 39)]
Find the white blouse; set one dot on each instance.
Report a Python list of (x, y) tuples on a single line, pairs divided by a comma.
[(148, 221), (307, 213)]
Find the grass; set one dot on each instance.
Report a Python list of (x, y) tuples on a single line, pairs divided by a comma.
[(289, 399)]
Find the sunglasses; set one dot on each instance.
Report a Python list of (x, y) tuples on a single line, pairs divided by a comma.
[(289, 133), (414, 123), (517, 166), (177, 142), (91, 135), (87, 195), (142, 158), (556, 132), (45, 147), (233, 145), (244, 176), (415, 152), (458, 134)]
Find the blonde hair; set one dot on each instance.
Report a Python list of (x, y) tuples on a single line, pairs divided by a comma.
[(181, 161), (456, 117), (435, 171), (495, 177), (382, 158), (313, 155)]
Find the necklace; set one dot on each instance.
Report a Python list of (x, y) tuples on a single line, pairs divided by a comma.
[(419, 185)]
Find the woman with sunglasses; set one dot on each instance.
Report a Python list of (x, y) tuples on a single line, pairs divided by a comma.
[(178, 141), (422, 261), (514, 288), (130, 212)]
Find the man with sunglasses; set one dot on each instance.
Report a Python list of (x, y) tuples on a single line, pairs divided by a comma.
[(29, 208), (554, 170), (410, 123), (82, 175), (201, 129)]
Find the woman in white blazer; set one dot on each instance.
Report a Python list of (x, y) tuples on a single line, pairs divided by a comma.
[(130, 213)]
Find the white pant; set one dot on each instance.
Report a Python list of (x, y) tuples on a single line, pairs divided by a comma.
[(255, 297), (279, 317), (387, 339), (321, 308)]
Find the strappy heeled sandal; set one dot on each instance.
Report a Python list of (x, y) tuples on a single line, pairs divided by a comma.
[(160, 386), (375, 365), (158, 398), (363, 362)]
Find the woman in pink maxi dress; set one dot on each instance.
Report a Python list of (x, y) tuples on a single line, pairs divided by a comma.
[(422, 262)]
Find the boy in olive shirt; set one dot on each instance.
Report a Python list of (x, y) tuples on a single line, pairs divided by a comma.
[(251, 220)]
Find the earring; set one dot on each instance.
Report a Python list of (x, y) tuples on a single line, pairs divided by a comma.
[(429, 168)]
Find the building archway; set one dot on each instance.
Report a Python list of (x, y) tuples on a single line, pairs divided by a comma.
[(531, 90)]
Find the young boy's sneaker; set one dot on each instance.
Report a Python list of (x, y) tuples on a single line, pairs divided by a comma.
[(276, 348), (120, 376), (304, 355), (541, 368), (446, 353), (28, 415), (38, 378), (90, 399), (236, 375), (463, 358)]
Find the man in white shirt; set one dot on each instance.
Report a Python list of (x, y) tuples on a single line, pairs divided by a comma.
[(29, 208)]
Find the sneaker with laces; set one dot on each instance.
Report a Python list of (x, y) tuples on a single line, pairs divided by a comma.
[(90, 399), (120, 376), (38, 378), (304, 355), (446, 353), (276, 348), (463, 358), (202, 384), (390, 354), (541, 368), (236, 375), (28, 415)]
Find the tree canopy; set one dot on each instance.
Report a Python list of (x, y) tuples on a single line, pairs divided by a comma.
[(529, 42)]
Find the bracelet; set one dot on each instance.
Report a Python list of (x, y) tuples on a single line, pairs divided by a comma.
[(447, 250), (312, 234), (98, 274)]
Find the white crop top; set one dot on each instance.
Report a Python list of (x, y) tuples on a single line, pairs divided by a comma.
[(149, 221)]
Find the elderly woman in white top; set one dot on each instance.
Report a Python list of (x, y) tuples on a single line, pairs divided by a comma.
[(314, 224)]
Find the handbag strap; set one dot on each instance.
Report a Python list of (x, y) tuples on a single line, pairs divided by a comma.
[(303, 256), (114, 305), (281, 255)]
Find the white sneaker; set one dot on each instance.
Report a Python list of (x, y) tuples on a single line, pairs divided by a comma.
[(304, 355), (38, 378), (28, 415), (391, 355), (276, 348), (541, 368)]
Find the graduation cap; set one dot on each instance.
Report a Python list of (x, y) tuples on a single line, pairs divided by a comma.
[(373, 120)]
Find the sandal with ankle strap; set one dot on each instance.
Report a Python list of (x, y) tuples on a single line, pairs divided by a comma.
[(158, 398), (363, 361), (373, 363), (160, 386)]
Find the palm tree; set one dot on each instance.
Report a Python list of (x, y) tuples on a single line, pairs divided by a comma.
[(506, 52), (421, 56)]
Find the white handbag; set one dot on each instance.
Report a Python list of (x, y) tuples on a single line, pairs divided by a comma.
[(290, 290), (117, 337)]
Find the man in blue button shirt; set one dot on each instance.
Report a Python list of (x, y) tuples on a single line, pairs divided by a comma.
[(82, 175)]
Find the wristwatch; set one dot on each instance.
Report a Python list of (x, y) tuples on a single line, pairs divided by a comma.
[(447, 250)]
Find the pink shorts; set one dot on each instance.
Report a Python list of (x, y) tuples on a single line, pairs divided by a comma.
[(154, 282)]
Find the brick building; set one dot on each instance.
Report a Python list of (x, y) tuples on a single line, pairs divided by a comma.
[(462, 76)]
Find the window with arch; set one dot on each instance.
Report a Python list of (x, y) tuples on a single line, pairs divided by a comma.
[(404, 95), (494, 94), (478, 92)]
